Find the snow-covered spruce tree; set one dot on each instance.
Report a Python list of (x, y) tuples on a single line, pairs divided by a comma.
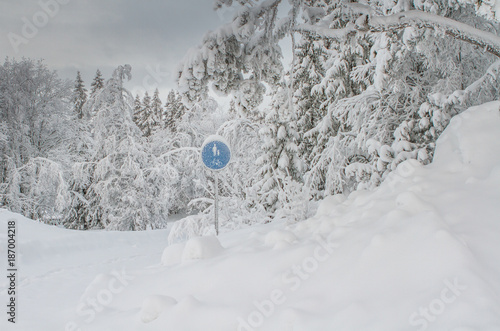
[(126, 192), (174, 111), (79, 95), (82, 152), (170, 112), (280, 165), (149, 116), (156, 111), (77, 212), (308, 71), (144, 116), (35, 116), (97, 84), (137, 108), (345, 73), (310, 60)]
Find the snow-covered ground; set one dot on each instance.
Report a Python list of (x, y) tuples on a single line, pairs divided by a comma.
[(421, 252)]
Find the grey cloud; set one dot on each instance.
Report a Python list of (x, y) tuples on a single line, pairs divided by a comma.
[(86, 35)]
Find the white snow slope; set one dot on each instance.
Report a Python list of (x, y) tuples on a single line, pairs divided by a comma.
[(421, 252)]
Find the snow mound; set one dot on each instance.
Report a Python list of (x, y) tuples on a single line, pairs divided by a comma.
[(173, 254), (154, 305), (328, 203), (280, 238), (201, 248)]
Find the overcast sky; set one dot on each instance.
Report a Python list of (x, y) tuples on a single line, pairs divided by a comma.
[(150, 35)]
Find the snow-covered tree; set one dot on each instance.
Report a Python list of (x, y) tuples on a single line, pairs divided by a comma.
[(308, 72), (36, 121), (142, 117), (170, 112), (79, 95), (174, 110), (97, 84), (137, 108), (280, 161), (149, 116), (156, 110), (37, 190), (127, 191)]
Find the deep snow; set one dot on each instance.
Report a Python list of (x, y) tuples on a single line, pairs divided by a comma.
[(421, 252)]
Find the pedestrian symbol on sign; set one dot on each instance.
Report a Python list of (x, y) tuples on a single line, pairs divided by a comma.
[(215, 153)]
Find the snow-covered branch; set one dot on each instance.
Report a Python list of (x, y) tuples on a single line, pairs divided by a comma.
[(461, 96), (181, 149), (412, 18)]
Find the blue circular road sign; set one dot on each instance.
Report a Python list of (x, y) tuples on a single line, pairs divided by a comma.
[(215, 153)]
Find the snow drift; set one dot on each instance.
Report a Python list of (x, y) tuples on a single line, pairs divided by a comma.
[(421, 252)]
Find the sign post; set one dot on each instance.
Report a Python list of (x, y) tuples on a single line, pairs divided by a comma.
[(216, 154)]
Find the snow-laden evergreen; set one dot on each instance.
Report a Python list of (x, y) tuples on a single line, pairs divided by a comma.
[(79, 95), (127, 189), (174, 111), (280, 164), (97, 84)]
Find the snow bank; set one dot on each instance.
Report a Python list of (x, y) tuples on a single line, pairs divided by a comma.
[(194, 249), (280, 238)]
